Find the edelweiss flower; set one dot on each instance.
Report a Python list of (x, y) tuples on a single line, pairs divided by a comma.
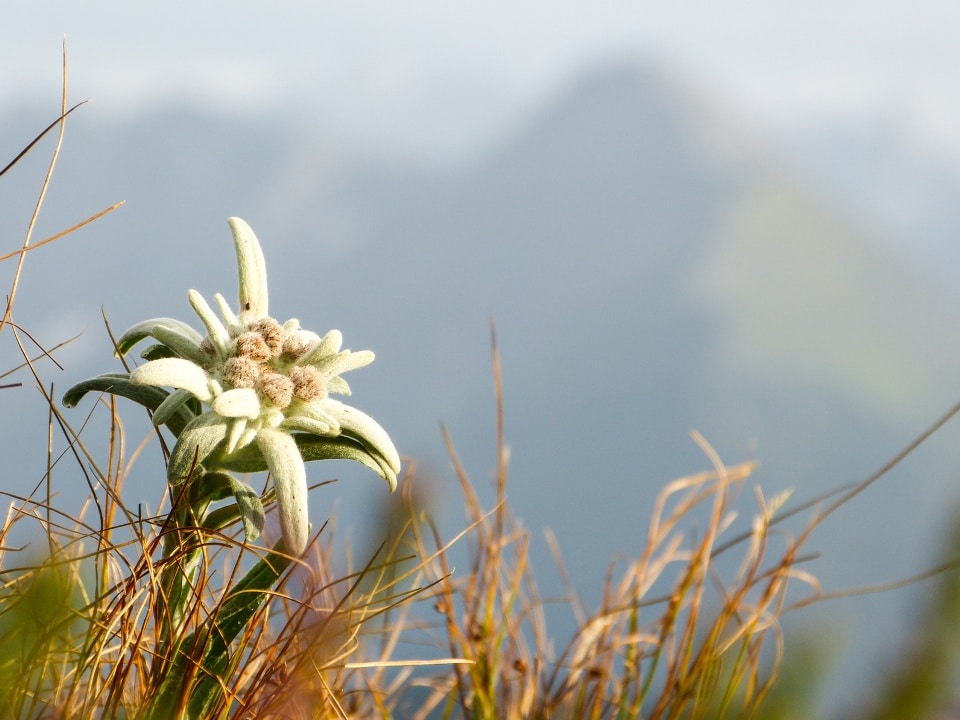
[(261, 381)]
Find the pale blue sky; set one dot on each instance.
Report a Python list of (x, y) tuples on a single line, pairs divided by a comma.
[(434, 76)]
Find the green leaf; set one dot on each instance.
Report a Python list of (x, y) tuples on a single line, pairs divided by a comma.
[(248, 506), (185, 346), (211, 487), (119, 384), (251, 509), (209, 647), (240, 606), (147, 328), (155, 352), (312, 447), (196, 443), (170, 406)]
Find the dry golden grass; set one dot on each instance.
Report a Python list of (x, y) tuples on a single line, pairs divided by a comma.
[(693, 652)]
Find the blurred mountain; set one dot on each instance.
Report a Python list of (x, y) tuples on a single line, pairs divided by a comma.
[(887, 178), (650, 270)]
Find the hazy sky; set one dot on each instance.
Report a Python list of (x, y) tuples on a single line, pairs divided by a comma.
[(435, 75)]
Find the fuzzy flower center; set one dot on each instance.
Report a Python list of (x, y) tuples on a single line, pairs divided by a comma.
[(265, 357)]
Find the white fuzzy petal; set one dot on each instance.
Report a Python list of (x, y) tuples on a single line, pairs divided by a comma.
[(176, 373), (271, 417), (329, 345), (197, 440), (290, 483), (354, 360), (332, 342), (301, 423), (231, 320), (248, 435), (316, 411), (338, 363), (252, 271), (337, 386), (237, 403), (237, 428), (367, 431), (215, 330)]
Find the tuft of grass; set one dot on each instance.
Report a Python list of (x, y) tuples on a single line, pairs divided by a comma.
[(697, 650)]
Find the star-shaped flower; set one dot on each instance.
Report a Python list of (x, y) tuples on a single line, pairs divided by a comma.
[(264, 384)]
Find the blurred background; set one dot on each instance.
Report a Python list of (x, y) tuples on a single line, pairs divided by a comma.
[(735, 219)]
